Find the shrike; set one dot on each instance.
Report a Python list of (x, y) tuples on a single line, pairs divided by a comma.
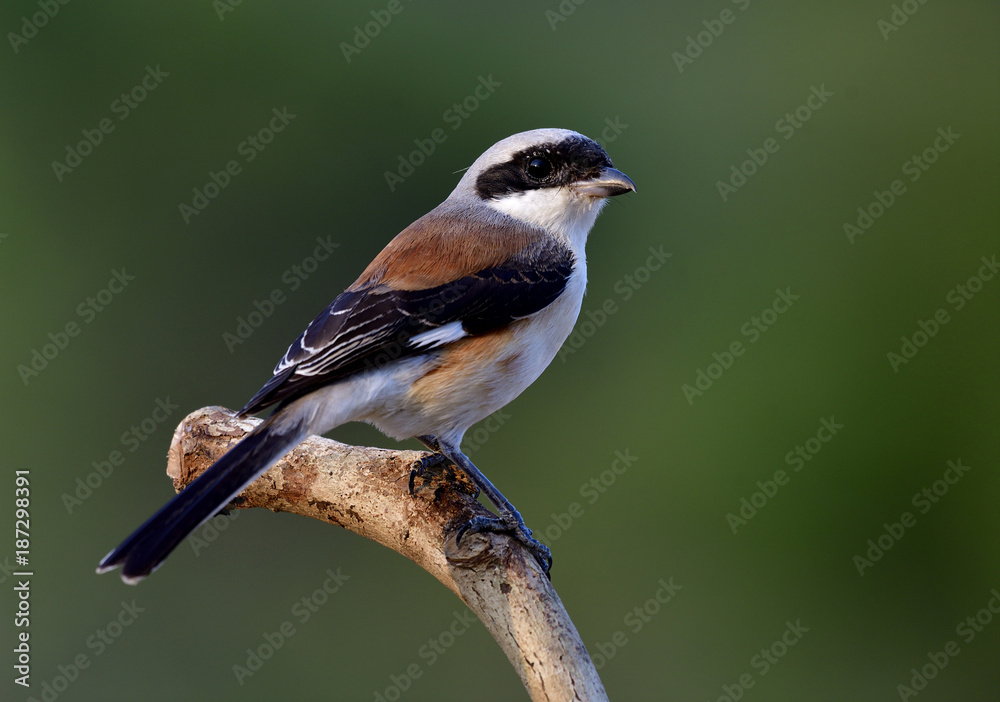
[(459, 314)]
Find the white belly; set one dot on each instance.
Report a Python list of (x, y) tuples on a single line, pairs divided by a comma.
[(445, 399)]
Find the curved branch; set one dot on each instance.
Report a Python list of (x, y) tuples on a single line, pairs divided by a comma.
[(365, 490)]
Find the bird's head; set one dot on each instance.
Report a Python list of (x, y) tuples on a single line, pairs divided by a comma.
[(555, 179)]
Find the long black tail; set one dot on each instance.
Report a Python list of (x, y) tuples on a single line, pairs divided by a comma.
[(143, 552)]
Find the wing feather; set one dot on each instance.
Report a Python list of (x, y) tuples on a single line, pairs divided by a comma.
[(373, 320)]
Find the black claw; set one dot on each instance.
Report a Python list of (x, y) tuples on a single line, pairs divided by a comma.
[(545, 561), (542, 554), (508, 521), (479, 524), (421, 466), (518, 530)]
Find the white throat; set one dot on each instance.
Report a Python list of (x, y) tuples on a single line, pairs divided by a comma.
[(564, 213)]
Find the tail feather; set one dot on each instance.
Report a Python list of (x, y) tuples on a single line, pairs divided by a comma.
[(149, 545)]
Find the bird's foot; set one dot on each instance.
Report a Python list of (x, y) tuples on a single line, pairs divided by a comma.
[(420, 467), (515, 527)]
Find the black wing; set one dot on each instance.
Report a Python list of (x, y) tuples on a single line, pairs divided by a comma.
[(369, 327)]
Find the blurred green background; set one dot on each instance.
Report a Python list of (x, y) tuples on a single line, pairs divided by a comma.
[(677, 125)]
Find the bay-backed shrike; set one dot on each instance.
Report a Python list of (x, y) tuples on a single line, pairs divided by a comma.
[(459, 314)]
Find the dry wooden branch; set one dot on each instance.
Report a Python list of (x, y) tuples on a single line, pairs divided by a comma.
[(366, 491)]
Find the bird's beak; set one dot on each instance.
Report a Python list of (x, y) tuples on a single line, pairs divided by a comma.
[(609, 183)]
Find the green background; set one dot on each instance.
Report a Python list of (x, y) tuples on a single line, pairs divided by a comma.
[(678, 134)]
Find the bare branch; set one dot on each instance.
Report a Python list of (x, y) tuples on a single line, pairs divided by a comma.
[(366, 491)]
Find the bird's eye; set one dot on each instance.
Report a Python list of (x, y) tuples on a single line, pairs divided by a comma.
[(539, 168)]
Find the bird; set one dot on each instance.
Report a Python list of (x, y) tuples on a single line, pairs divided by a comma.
[(453, 319)]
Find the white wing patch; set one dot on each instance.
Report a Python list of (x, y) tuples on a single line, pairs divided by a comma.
[(452, 331)]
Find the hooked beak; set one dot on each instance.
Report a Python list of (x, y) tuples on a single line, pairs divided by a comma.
[(609, 183)]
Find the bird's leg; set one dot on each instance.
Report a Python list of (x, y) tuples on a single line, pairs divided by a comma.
[(509, 520), (431, 442), (434, 458)]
